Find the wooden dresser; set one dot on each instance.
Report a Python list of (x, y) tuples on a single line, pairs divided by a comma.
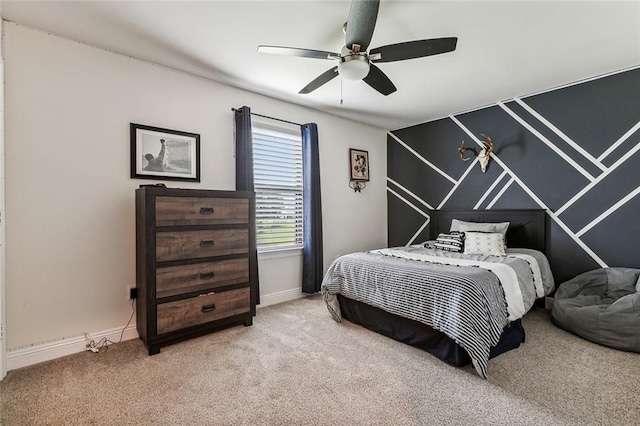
[(196, 262)]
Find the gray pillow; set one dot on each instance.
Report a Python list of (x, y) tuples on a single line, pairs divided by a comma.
[(462, 226)]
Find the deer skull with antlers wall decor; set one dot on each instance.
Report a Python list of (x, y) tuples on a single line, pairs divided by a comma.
[(483, 155)]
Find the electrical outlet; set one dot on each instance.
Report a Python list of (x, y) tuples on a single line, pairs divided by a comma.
[(132, 292)]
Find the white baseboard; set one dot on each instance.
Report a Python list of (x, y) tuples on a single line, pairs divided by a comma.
[(30, 355), (279, 297), (23, 357)]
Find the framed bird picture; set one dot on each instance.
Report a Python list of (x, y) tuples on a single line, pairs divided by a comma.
[(164, 154)]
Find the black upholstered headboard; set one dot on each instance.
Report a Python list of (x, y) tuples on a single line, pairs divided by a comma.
[(527, 227)]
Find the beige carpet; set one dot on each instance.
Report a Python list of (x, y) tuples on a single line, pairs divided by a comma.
[(296, 366)]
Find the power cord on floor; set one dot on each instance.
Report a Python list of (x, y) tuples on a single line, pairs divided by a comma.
[(104, 343)]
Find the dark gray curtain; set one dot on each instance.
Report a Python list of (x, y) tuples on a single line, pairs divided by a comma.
[(312, 224), (244, 173)]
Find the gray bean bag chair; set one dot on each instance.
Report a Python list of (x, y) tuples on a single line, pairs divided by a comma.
[(602, 306)]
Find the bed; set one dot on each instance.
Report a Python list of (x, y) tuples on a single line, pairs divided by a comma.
[(462, 308)]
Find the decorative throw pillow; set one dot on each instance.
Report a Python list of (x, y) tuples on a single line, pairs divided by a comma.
[(453, 241), (462, 226), (431, 244), (484, 243)]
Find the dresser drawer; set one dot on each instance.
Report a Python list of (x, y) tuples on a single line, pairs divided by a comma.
[(197, 310), (174, 280), (180, 245), (181, 211)]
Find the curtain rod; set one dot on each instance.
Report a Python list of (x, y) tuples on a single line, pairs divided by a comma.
[(270, 118)]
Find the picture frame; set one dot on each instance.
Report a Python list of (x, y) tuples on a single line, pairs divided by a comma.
[(164, 154), (359, 165)]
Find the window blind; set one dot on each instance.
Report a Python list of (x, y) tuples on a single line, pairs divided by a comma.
[(277, 174)]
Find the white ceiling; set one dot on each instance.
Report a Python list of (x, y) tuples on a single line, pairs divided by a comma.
[(505, 49)]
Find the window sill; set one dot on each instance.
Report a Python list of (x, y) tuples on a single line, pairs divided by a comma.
[(279, 253)]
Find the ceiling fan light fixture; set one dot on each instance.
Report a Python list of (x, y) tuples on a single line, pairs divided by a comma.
[(353, 67), (355, 60)]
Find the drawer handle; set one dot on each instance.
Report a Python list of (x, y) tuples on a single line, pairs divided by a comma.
[(206, 243), (206, 210), (205, 275), (209, 308)]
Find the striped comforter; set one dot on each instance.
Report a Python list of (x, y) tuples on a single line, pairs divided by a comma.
[(466, 303)]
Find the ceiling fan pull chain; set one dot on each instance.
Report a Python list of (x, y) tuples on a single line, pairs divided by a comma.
[(341, 97)]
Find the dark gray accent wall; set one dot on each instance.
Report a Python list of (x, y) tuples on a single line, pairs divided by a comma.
[(553, 153)]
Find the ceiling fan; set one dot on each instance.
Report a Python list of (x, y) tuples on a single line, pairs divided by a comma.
[(354, 63)]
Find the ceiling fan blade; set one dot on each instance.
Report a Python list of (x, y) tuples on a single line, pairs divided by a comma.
[(361, 23), (379, 81), (414, 49), (323, 78), (294, 51)]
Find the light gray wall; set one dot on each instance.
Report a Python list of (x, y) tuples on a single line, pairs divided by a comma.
[(3, 340), (70, 201)]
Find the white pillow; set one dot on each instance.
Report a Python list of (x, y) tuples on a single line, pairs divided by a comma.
[(462, 226), (484, 243)]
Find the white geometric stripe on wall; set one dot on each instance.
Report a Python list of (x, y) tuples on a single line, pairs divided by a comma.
[(414, 207), (421, 158), (562, 135), (409, 203), (457, 184), (583, 181), (513, 178), (488, 191), (418, 232), (499, 194), (411, 194), (619, 142), (609, 211), (538, 201), (547, 142), (599, 179)]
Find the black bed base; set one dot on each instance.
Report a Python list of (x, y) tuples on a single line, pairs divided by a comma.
[(422, 336)]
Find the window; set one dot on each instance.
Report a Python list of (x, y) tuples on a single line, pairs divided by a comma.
[(277, 177)]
